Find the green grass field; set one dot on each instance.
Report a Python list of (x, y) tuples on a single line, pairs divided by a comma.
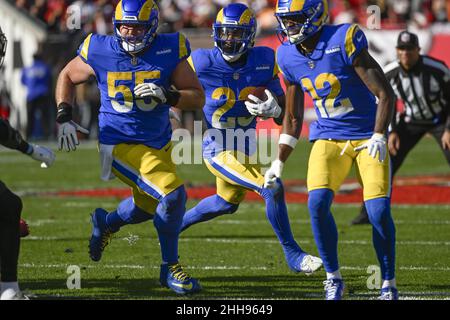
[(234, 256)]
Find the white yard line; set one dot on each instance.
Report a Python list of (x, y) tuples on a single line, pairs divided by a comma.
[(261, 221), (137, 266), (264, 241), (131, 266)]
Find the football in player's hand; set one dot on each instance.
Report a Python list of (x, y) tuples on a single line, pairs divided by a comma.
[(24, 229), (259, 93)]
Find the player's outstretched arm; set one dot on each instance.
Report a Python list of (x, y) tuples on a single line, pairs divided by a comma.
[(373, 77), (75, 72), (292, 126), (11, 138), (192, 96)]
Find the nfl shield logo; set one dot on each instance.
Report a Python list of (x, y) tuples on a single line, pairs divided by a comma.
[(311, 64), (236, 76)]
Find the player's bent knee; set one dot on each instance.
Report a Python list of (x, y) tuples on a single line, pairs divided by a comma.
[(131, 213), (378, 209), (319, 202), (170, 212), (226, 207), (11, 207), (174, 202)]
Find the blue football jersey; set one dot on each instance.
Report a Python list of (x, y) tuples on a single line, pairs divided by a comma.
[(226, 88), (123, 118), (344, 105)]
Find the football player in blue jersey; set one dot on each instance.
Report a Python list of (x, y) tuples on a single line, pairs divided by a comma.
[(229, 72), (140, 74), (333, 65)]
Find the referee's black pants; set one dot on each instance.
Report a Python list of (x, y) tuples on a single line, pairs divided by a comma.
[(410, 135)]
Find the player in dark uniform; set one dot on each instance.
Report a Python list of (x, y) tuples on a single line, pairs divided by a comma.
[(12, 205)]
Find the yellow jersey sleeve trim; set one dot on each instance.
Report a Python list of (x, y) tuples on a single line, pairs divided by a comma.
[(191, 63), (183, 48), (350, 47), (85, 50), (276, 68)]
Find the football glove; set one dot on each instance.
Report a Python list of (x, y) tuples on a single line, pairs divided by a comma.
[(159, 94), (271, 175), (376, 144), (266, 109), (67, 135), (42, 154), (67, 131)]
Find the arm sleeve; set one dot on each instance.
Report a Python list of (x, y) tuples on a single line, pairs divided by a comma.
[(11, 138), (355, 41)]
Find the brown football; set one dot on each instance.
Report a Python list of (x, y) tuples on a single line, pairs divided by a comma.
[(259, 93)]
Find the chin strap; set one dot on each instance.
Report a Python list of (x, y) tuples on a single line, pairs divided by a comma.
[(127, 46), (232, 58)]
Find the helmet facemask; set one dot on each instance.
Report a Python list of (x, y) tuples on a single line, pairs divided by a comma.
[(296, 27), (134, 44), (233, 40)]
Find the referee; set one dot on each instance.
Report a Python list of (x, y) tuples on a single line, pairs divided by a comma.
[(423, 84)]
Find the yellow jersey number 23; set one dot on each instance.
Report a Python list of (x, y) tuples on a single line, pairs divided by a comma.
[(229, 122)]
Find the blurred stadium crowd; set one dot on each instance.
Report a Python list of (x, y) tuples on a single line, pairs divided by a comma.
[(179, 14), (197, 15)]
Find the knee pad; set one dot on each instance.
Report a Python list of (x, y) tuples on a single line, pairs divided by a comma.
[(130, 213), (378, 209), (319, 202), (11, 207)]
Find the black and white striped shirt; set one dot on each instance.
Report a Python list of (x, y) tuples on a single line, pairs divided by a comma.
[(424, 90)]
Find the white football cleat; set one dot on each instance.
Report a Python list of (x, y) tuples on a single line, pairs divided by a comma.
[(11, 294), (310, 264)]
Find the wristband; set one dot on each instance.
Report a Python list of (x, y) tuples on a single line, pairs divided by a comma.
[(172, 96), (64, 113), (288, 140)]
